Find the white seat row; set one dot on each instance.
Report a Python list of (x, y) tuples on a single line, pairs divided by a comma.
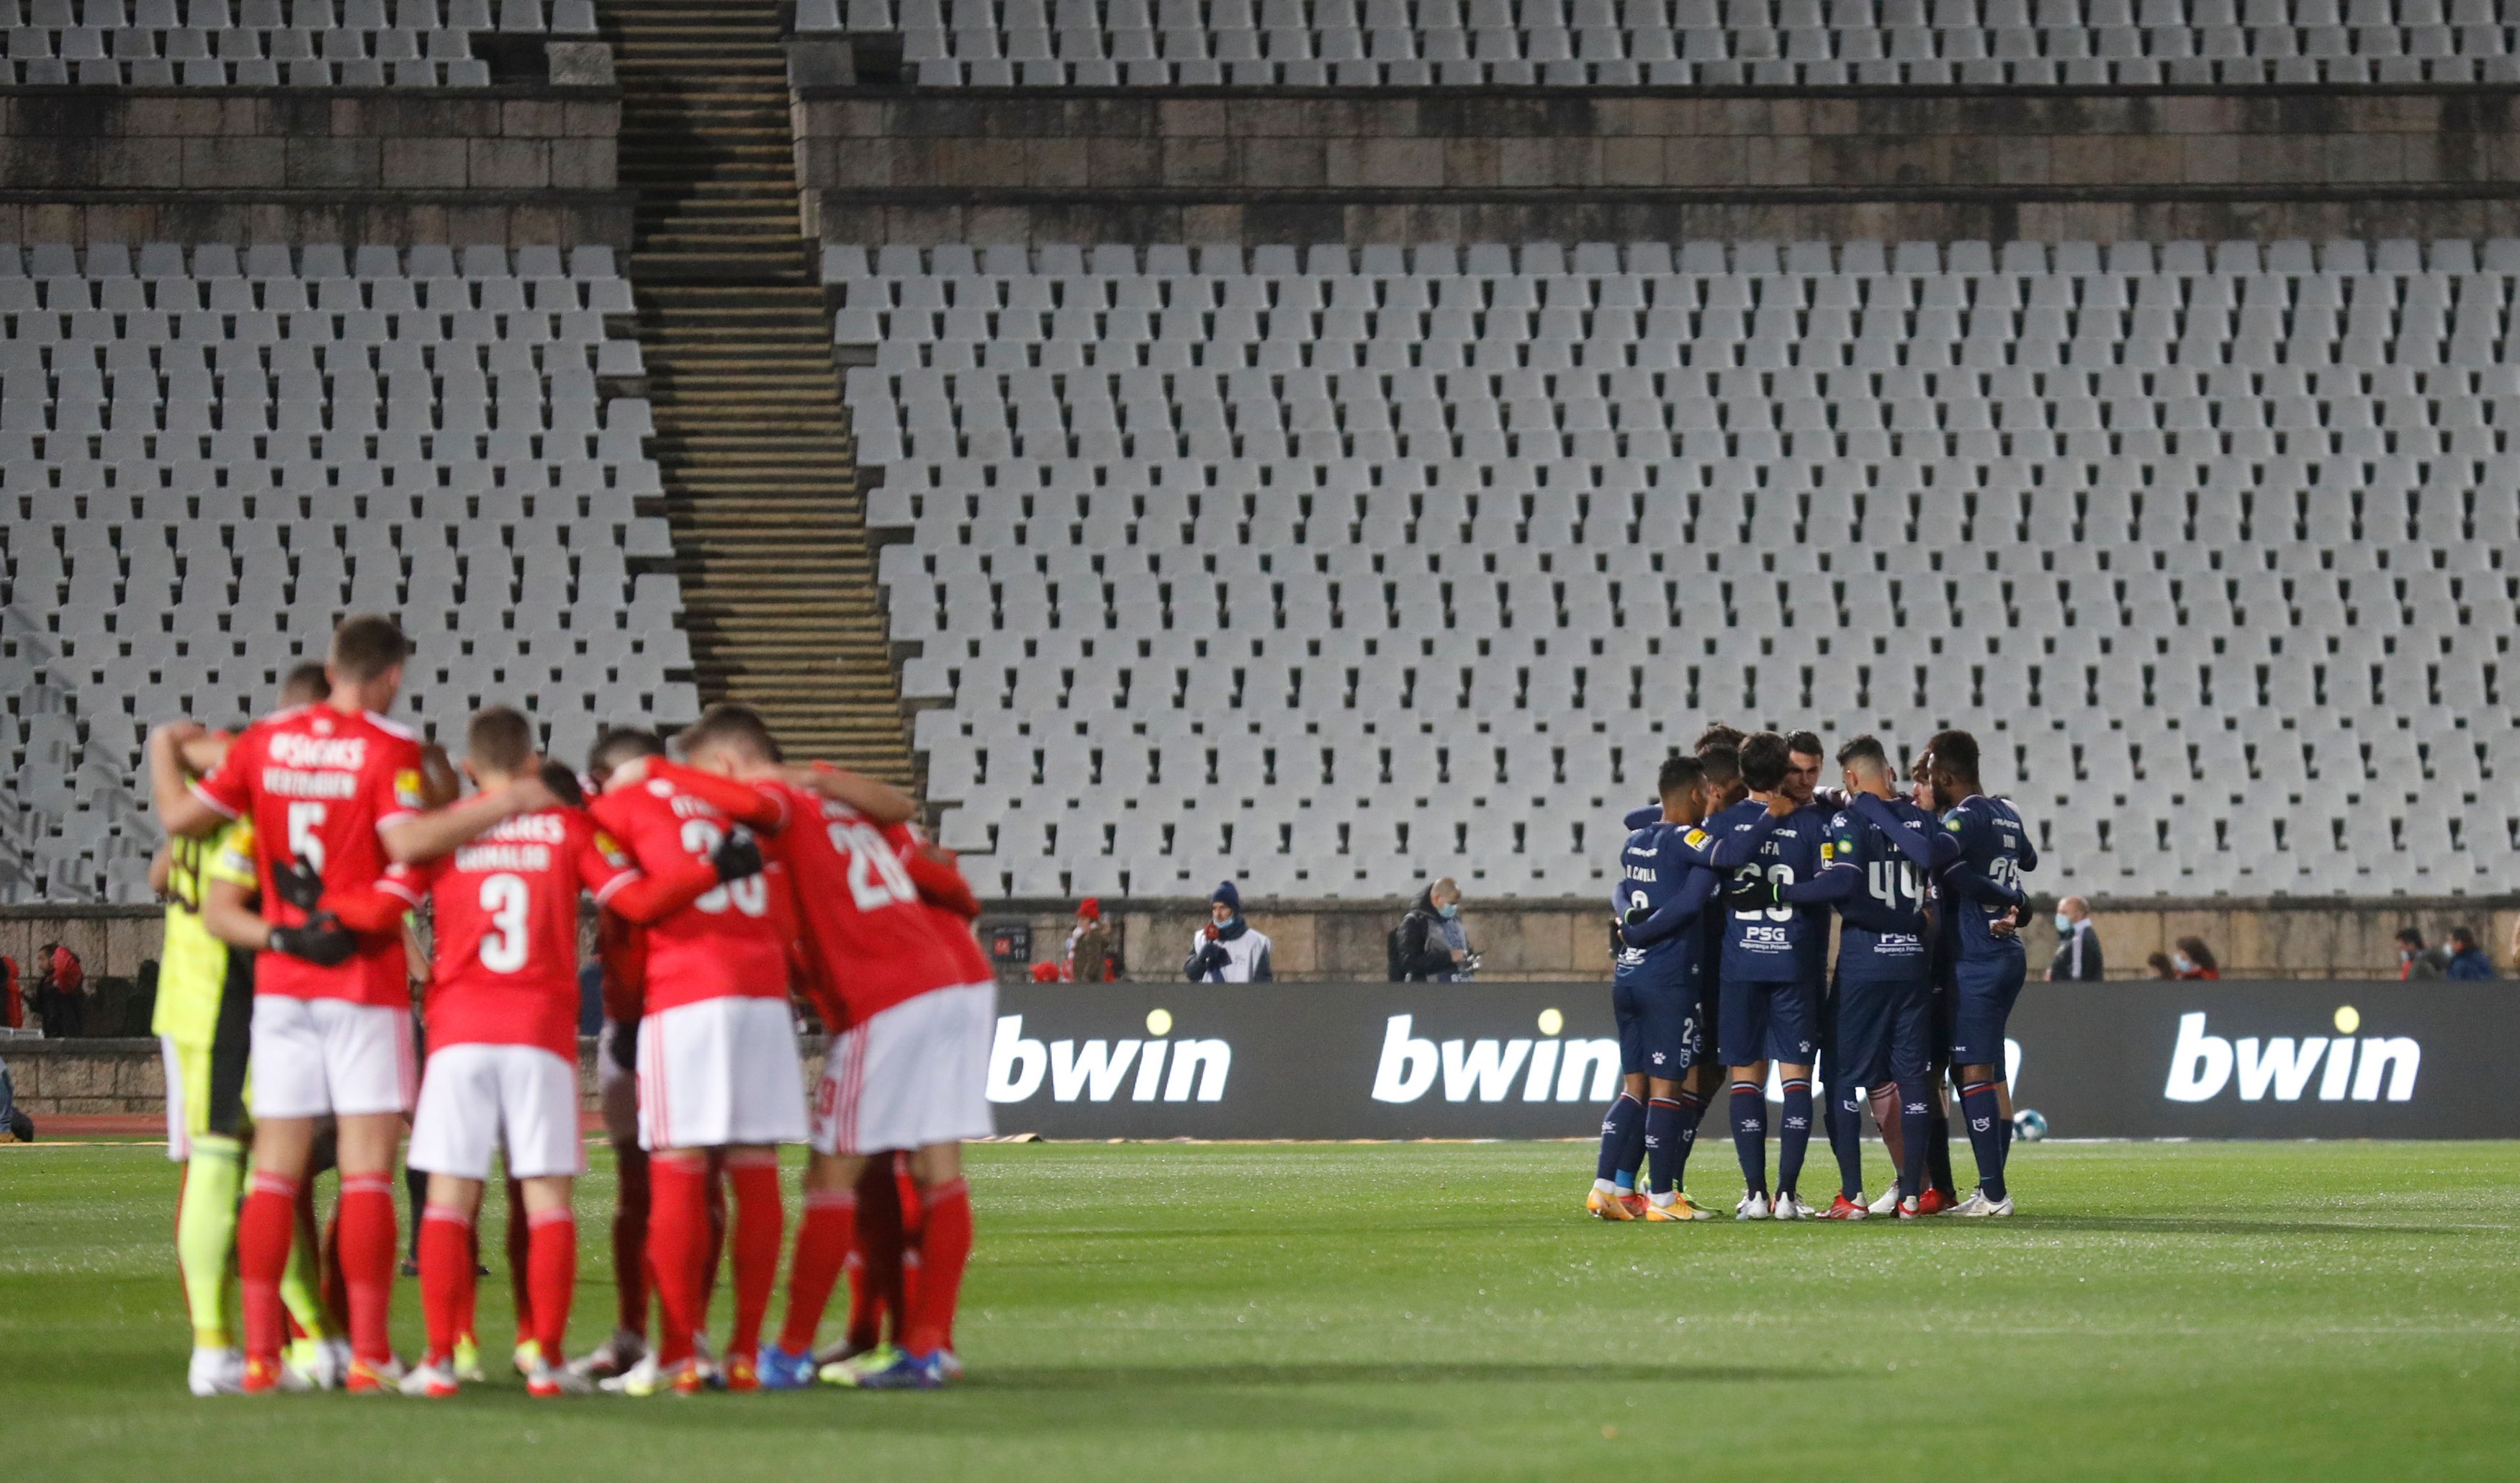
[(303, 43), (1102, 43), (1343, 592), (186, 518)]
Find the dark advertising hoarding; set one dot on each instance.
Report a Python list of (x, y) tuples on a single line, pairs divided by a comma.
[(2326, 1059)]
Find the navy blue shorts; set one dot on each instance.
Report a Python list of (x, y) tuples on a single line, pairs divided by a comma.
[(1982, 999), (1885, 1032), (1768, 1022), (1658, 1031)]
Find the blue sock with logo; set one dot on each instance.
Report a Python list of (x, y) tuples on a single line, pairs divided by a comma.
[(1662, 1144), (1794, 1141), (1626, 1116), (1693, 1112), (1916, 1130), (1845, 1114), (1984, 1111), (1750, 1134)]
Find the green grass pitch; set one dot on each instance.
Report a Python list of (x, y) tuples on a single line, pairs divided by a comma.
[(2242, 1311)]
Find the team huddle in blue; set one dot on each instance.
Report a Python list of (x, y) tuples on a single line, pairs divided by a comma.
[(1721, 925)]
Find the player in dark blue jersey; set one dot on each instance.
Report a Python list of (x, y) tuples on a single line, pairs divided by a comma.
[(1874, 875), (1662, 893), (1982, 898), (1773, 957)]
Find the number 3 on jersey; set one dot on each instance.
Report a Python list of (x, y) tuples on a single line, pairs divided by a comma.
[(750, 895), (505, 899)]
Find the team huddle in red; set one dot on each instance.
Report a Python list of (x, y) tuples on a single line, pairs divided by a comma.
[(721, 880)]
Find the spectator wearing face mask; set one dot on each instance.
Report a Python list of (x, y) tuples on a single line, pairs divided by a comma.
[(2416, 960), (2192, 958), (1432, 944), (2467, 960), (2078, 946), (1228, 949)]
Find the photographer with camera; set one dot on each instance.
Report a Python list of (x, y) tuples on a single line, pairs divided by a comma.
[(1432, 944)]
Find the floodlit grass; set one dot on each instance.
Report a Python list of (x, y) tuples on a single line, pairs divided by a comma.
[(2243, 1311)]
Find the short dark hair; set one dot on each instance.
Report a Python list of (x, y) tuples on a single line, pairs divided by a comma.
[(499, 738), (1806, 743), (1721, 765), (1717, 734), (728, 724), (1866, 748), (1955, 752), (367, 646), (2410, 935), (619, 745), (304, 685), (1764, 762), (2464, 938), (1680, 774)]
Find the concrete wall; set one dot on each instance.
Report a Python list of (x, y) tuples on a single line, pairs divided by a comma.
[(503, 165), (1544, 941), (1597, 163)]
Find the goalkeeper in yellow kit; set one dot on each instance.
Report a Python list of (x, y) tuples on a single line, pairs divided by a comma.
[(203, 1015)]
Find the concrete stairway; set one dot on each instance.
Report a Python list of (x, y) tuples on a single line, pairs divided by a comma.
[(760, 468)]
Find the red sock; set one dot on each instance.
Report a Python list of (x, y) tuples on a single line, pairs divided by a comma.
[(760, 1223), (518, 1260), (677, 1241), (823, 1243), (464, 1315), (945, 1247), (368, 1262), (876, 1277), (716, 1234), (551, 1264), (445, 1277), (630, 1239), (263, 1230)]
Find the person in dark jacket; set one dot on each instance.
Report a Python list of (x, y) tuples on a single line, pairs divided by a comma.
[(2416, 960), (1228, 949), (2467, 960), (2078, 945), (1433, 947)]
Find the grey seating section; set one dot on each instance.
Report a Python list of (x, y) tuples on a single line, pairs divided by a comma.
[(1330, 569), (208, 458), (1701, 43), (267, 43)]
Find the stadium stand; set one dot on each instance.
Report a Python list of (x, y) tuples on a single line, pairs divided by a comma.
[(1774, 43), (268, 43), (1329, 568), (208, 459)]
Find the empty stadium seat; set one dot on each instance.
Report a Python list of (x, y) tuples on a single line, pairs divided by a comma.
[(267, 43), (1330, 566), (206, 460), (1377, 43)]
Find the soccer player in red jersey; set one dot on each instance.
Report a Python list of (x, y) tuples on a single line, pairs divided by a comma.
[(717, 1055), (907, 1069), (333, 788)]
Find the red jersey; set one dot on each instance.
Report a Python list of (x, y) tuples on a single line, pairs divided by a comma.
[(952, 923), (729, 943), (872, 938), (326, 784), (506, 911)]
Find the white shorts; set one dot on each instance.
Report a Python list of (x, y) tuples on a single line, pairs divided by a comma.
[(719, 1073), (313, 1056), (915, 1074), (480, 1097), (179, 1127)]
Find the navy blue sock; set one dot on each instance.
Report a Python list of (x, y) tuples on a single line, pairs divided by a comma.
[(1632, 1153), (1693, 1112), (1662, 1144), (1845, 1116), (1938, 1142), (1916, 1131), (1986, 1125), (1626, 1115), (1750, 1134), (1795, 1139)]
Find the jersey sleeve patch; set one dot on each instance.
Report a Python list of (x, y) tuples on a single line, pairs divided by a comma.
[(408, 790)]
